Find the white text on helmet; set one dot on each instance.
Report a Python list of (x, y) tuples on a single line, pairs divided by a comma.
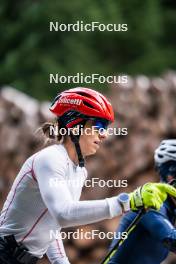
[(70, 101)]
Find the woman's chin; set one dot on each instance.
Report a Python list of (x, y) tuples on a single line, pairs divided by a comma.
[(91, 152)]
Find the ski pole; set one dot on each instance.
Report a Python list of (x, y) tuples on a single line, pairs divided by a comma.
[(129, 229)]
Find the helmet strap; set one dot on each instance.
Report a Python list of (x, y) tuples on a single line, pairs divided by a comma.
[(75, 140)]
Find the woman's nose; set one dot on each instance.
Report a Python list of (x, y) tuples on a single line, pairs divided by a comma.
[(103, 135)]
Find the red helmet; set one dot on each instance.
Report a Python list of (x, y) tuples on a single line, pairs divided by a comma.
[(83, 103)]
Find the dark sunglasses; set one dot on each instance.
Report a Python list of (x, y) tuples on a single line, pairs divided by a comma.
[(101, 124)]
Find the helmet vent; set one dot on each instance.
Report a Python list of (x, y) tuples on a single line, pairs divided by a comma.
[(87, 104), (84, 94)]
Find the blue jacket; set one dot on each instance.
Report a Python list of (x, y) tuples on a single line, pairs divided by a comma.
[(151, 240)]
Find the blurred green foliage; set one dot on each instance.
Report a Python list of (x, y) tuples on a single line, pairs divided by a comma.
[(29, 52)]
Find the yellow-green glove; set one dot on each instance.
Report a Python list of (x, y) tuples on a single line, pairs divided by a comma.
[(151, 195)]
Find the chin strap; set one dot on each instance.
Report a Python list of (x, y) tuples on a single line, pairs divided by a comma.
[(75, 140)]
